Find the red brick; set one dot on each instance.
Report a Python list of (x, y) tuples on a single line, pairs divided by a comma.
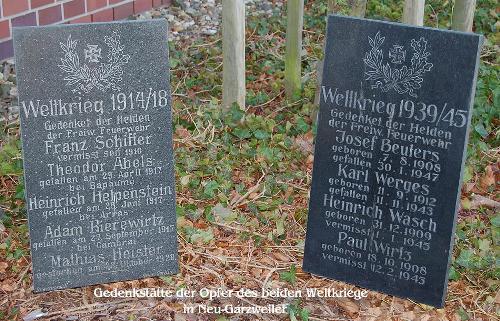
[(115, 1), (96, 4), (86, 19), (74, 8), (6, 50), (12, 7), (142, 5), (50, 15), (26, 20), (39, 3), (157, 3), (103, 16), (4, 29), (124, 11), (166, 2)]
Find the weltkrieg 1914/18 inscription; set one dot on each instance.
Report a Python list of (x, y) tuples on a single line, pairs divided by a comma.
[(98, 157)]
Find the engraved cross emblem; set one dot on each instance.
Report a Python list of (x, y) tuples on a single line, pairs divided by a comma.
[(93, 53), (397, 54)]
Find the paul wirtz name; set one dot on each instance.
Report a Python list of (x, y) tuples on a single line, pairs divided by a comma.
[(59, 107)]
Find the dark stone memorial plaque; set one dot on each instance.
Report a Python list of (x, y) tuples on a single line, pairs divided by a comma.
[(392, 131), (96, 128)]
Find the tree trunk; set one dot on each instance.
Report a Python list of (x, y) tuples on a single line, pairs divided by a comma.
[(293, 61), (413, 13), (463, 15), (233, 38)]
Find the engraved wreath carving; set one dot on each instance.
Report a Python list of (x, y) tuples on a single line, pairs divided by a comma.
[(386, 77), (96, 74)]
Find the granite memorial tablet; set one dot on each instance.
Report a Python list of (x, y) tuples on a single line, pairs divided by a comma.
[(98, 159), (392, 131)]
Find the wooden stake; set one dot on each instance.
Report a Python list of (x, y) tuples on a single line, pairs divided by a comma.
[(233, 38), (331, 5), (413, 13), (463, 15), (358, 8), (293, 61)]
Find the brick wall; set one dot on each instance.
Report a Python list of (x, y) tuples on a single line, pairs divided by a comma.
[(17, 13)]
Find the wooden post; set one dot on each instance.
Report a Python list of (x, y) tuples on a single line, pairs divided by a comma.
[(463, 15), (331, 5), (358, 7), (413, 13), (233, 39), (293, 61)]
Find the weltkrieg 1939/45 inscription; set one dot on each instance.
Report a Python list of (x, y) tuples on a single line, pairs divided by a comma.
[(393, 122)]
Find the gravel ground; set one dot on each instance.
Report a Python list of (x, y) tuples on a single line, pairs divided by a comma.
[(188, 20)]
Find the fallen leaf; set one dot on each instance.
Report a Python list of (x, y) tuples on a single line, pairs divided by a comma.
[(185, 180), (3, 267), (488, 179), (304, 144), (348, 307), (280, 256), (34, 315), (310, 159), (224, 213), (182, 132), (183, 222), (253, 195), (425, 318), (408, 315), (7, 287)]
